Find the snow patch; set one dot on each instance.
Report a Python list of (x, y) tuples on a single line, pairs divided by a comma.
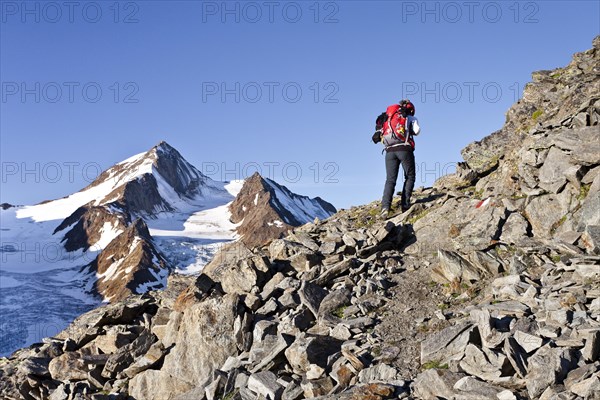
[(234, 187), (111, 272), (107, 233)]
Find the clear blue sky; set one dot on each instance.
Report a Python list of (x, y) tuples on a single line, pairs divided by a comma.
[(161, 67)]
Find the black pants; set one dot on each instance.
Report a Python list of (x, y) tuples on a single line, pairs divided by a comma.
[(392, 165)]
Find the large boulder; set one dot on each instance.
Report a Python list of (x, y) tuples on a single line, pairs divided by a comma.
[(237, 269), (206, 337)]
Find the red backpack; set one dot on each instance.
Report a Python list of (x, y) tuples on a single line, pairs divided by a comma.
[(394, 128)]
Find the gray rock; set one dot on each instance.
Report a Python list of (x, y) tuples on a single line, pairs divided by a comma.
[(305, 239), (340, 332), (156, 385), (382, 232), (589, 388), (332, 302), (487, 366), (68, 367), (490, 337), (591, 238), (120, 360), (582, 143), (115, 337), (35, 366), (471, 388), (482, 225), (153, 356), (235, 269), (303, 319), (265, 383), (292, 391), (435, 383), (307, 350), (262, 329), (580, 374), (282, 249), (317, 387), (304, 262), (210, 391), (328, 247), (547, 367), (267, 350), (515, 356), (528, 342), (289, 299), (454, 268), (60, 393), (591, 350), (589, 177), (483, 156), (205, 339), (544, 213), (552, 173), (506, 395), (388, 354), (311, 296), (86, 327), (514, 229), (447, 344), (509, 307), (379, 373), (270, 287), (269, 307), (483, 261), (335, 271)]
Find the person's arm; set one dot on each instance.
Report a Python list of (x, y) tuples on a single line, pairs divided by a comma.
[(414, 126)]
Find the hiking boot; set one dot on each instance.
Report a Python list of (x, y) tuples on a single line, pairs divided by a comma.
[(405, 208), (385, 212)]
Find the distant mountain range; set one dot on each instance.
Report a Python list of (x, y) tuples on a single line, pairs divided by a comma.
[(144, 217)]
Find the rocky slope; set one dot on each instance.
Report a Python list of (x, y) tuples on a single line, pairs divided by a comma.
[(477, 292), (266, 210), (130, 264)]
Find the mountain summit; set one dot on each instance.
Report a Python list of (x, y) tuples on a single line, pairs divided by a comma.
[(266, 210)]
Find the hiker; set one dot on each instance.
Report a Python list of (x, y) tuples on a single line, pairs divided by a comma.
[(395, 128)]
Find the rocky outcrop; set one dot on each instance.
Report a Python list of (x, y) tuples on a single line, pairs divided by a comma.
[(89, 224), (266, 210), (6, 206), (130, 264), (475, 292)]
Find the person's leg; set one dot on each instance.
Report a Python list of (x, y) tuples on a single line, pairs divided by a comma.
[(392, 164), (408, 165)]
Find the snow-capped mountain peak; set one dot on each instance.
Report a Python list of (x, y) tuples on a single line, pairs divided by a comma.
[(265, 210), (148, 183)]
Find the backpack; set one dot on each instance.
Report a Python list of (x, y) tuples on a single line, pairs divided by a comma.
[(391, 125), (395, 126)]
